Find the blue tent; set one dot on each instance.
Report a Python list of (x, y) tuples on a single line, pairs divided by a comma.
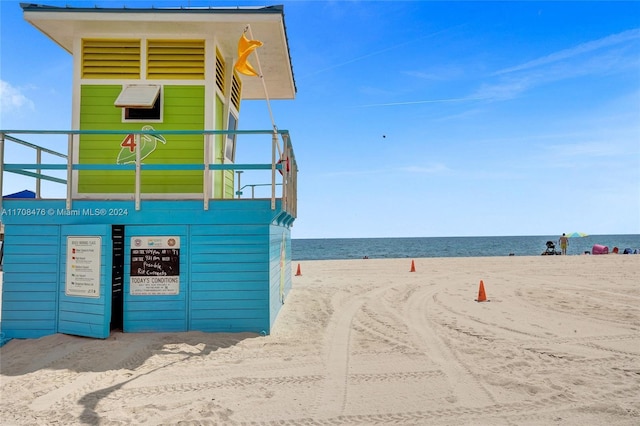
[(22, 194)]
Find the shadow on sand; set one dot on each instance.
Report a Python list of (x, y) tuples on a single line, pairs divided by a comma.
[(124, 352)]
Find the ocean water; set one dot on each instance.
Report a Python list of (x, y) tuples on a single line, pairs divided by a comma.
[(378, 248)]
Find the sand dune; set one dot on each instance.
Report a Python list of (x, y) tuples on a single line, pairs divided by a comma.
[(366, 342)]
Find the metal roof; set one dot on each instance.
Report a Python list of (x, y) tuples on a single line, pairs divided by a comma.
[(205, 9), (66, 24)]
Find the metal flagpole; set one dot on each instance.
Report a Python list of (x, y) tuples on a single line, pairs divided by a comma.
[(266, 93)]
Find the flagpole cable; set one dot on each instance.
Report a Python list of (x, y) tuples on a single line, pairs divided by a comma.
[(266, 92)]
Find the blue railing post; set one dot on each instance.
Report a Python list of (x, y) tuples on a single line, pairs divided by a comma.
[(38, 171), (274, 144), (70, 180), (206, 184), (138, 183), (239, 191), (1, 167), (285, 172)]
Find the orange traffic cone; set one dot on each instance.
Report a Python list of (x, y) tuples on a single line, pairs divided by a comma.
[(298, 273), (413, 267), (482, 296)]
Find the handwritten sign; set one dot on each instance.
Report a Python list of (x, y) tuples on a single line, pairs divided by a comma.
[(155, 266), (83, 267)]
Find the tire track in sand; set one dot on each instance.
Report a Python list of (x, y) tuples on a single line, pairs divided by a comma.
[(333, 395), (466, 389)]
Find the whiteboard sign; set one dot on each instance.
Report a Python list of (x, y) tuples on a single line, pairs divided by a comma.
[(155, 266), (83, 266)]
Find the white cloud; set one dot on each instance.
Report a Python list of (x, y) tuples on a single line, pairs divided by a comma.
[(13, 100), (613, 53), (427, 169), (578, 50), (438, 73), (592, 149), (502, 91), (431, 169), (428, 101)]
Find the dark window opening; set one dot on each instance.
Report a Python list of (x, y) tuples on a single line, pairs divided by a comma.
[(152, 113)]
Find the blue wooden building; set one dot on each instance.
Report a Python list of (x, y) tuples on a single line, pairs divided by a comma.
[(162, 225)]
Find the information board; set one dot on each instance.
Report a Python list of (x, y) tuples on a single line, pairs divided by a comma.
[(83, 266), (155, 266)]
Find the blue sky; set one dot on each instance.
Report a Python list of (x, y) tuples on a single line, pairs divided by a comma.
[(424, 118)]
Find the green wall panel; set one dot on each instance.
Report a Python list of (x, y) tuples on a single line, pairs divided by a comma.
[(183, 109), (218, 148)]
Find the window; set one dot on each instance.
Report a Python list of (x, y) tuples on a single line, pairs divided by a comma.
[(152, 113), (230, 145), (140, 102)]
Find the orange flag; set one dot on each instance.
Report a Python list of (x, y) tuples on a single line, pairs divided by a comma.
[(245, 47)]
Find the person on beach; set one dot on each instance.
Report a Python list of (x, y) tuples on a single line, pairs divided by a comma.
[(564, 243)]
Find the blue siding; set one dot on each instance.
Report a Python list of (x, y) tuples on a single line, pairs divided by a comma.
[(279, 271), (27, 315), (230, 268), (29, 293), (153, 212), (228, 263), (246, 258), (86, 316), (229, 278), (34, 297)]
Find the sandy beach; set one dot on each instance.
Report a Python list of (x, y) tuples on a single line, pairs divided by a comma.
[(367, 342)]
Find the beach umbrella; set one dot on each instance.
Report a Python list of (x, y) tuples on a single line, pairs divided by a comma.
[(576, 235)]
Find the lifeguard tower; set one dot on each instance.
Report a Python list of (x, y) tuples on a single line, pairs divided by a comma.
[(156, 232)]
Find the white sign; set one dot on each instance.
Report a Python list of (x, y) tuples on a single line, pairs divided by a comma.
[(83, 266), (155, 266)]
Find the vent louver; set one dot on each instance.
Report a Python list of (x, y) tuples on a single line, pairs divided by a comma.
[(236, 91), (175, 59), (219, 71), (110, 58)]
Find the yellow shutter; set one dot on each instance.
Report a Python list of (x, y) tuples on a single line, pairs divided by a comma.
[(219, 71), (175, 59), (236, 91), (111, 58)]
